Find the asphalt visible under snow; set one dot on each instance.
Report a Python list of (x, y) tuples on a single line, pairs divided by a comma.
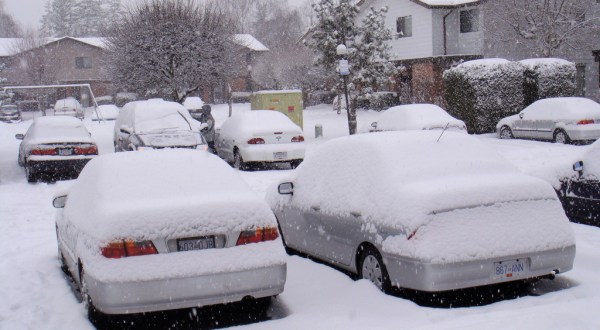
[(34, 293)]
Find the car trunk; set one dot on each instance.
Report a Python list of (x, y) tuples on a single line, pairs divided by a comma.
[(276, 137)]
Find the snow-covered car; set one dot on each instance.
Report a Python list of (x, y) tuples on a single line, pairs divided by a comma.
[(417, 117), (68, 107), (402, 210), (193, 235), (559, 119), (156, 124), (260, 136), (9, 113), (194, 105), (56, 147), (105, 112), (580, 192)]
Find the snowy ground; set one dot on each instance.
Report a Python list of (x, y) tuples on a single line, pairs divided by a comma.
[(34, 293)]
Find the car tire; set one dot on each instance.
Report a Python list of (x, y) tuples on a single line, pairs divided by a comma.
[(19, 161), (94, 315), (371, 268), (238, 161), (506, 133), (560, 136), (295, 163)]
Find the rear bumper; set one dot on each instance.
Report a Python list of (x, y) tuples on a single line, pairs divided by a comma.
[(195, 291), (8, 118), (413, 274), (266, 153), (45, 165), (584, 132)]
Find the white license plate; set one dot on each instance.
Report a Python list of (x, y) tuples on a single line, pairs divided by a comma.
[(65, 152), (198, 243), (509, 268), (279, 155)]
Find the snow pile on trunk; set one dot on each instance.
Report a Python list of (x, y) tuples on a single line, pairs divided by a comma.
[(46, 130), (259, 122), (166, 193)]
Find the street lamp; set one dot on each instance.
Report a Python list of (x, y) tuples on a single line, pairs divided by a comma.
[(344, 70)]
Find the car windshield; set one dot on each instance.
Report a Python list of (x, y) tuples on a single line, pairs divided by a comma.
[(160, 121)]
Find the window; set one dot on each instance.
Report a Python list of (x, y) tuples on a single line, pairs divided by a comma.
[(404, 26), (83, 63), (469, 21)]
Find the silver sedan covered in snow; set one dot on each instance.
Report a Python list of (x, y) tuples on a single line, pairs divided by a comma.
[(400, 209), (143, 232)]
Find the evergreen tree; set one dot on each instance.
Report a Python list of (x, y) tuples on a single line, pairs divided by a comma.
[(80, 18), (8, 27)]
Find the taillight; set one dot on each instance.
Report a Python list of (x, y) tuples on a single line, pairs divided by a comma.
[(256, 141), (128, 248), (298, 138), (43, 152), (90, 150), (258, 235), (585, 122)]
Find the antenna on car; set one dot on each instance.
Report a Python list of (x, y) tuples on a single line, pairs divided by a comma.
[(445, 128)]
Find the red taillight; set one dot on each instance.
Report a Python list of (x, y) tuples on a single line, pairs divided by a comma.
[(91, 150), (585, 122), (128, 248), (298, 138), (258, 235), (43, 152), (256, 141)]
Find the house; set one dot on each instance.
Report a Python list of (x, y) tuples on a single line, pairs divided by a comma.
[(69, 60), (431, 36)]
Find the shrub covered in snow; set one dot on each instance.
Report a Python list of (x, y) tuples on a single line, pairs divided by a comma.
[(548, 77), (481, 92), (377, 101)]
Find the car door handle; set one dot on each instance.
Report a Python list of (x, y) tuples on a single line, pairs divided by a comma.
[(316, 208)]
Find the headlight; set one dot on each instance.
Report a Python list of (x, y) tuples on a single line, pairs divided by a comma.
[(144, 148)]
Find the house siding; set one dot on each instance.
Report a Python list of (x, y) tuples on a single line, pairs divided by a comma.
[(421, 42)]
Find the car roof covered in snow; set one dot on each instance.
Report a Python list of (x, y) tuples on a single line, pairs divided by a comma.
[(565, 108), (56, 129), (398, 178), (415, 116), (162, 193)]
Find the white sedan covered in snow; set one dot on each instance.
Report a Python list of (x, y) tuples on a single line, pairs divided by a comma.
[(260, 136), (401, 210), (105, 112), (417, 117), (559, 119), (142, 232)]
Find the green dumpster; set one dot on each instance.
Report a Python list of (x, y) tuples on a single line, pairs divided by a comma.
[(288, 102)]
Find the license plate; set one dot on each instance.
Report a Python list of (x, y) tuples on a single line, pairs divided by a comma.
[(509, 268), (279, 155), (65, 152), (198, 243)]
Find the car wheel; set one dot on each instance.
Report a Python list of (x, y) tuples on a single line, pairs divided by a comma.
[(94, 315), (295, 163), (61, 257), (506, 133), (561, 136), (371, 268), (238, 161), (31, 176)]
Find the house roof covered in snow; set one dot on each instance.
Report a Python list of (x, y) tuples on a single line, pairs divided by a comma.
[(250, 42), (446, 3)]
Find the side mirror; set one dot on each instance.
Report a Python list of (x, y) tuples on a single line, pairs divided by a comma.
[(374, 125), (19, 136), (125, 129), (59, 202), (521, 115), (286, 188), (578, 167)]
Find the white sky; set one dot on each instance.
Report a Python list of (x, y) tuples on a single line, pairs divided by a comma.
[(29, 12)]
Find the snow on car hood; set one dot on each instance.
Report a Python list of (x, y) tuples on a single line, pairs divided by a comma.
[(165, 193), (397, 179)]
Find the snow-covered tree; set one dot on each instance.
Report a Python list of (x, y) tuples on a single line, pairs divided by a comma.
[(8, 27), (368, 53), (172, 49), (548, 26), (80, 18), (371, 66)]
